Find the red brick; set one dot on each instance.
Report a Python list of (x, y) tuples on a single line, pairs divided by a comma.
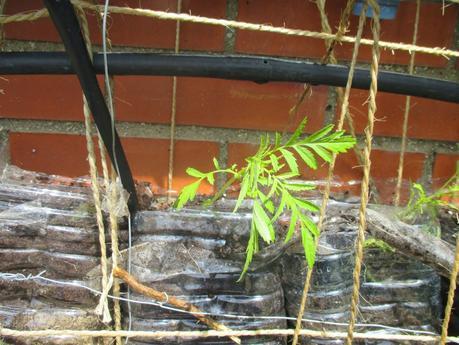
[(132, 30), (201, 36), (296, 14), (435, 30), (148, 32), (137, 99), (300, 14), (428, 119), (143, 99), (383, 170), (139, 31), (444, 168), (66, 155), (242, 104), (40, 30), (41, 97)]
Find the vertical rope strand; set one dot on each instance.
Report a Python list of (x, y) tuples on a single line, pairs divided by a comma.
[(407, 111), (113, 189), (112, 200), (451, 291), (170, 172), (113, 196), (366, 169), (329, 44), (93, 169), (330, 58), (344, 111), (452, 282), (342, 27)]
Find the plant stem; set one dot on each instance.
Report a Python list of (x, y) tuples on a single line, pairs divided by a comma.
[(222, 190)]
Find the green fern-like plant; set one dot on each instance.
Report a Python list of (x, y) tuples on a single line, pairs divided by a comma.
[(267, 176), (421, 203)]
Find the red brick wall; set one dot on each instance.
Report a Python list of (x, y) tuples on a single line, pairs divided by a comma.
[(223, 119)]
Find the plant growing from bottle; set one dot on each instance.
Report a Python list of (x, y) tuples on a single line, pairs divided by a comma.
[(423, 207), (267, 178)]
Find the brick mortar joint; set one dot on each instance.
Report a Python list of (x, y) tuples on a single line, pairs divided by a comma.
[(199, 133)]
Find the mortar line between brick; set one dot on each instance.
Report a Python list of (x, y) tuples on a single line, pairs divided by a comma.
[(427, 170), (232, 7), (330, 109), (5, 157), (223, 161), (199, 133)]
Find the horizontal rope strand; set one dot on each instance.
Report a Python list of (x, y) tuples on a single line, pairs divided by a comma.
[(6, 332), (30, 16)]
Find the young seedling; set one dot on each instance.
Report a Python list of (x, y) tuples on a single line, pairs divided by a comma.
[(421, 203), (268, 176)]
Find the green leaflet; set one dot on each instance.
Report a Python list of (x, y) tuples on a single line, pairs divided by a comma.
[(319, 134), (323, 153), (210, 178), (306, 205), (281, 206), (277, 140), (309, 247), (262, 223), (309, 224), (252, 248), (243, 192), (297, 132), (297, 187), (306, 156), (274, 162), (216, 164), (291, 228), (188, 193), (195, 173), (290, 159)]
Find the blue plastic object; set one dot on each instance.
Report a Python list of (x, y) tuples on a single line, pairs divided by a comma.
[(388, 8)]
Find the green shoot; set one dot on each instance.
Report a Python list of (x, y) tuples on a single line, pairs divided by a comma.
[(267, 176), (421, 203), (379, 244)]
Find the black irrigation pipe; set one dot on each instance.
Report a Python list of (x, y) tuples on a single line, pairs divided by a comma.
[(257, 69), (66, 23)]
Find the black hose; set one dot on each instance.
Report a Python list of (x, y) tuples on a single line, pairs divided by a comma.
[(257, 69)]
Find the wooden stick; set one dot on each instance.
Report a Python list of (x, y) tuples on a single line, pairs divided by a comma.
[(164, 298)]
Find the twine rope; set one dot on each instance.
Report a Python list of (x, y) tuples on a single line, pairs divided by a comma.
[(7, 332), (113, 194), (34, 15), (406, 113), (344, 111), (170, 173), (329, 57), (450, 301), (111, 201), (452, 284), (329, 44), (93, 170), (375, 28)]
